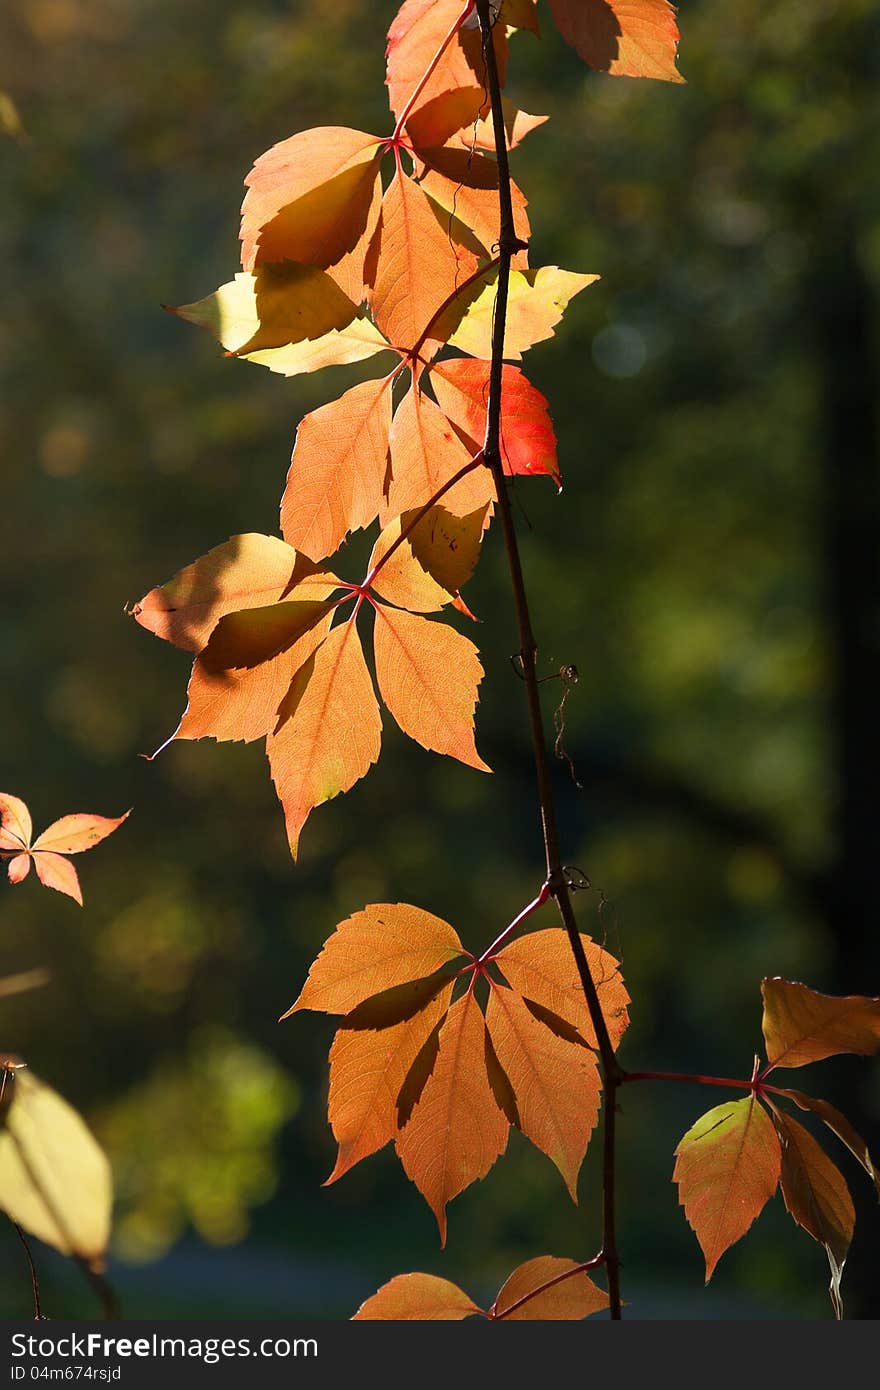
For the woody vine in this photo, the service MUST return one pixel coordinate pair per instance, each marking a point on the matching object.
(441, 1049)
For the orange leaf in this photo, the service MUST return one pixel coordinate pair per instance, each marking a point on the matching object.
(329, 729)
(800, 1025)
(573, 1296)
(246, 571)
(417, 261)
(465, 185)
(437, 120)
(839, 1125)
(517, 124)
(555, 1083)
(337, 472)
(528, 440)
(626, 38)
(457, 1129)
(414, 38)
(727, 1168)
(817, 1197)
(243, 704)
(16, 826)
(368, 1067)
(540, 966)
(538, 299)
(385, 945)
(417, 1298)
(74, 834)
(309, 197)
(54, 871)
(438, 556)
(256, 635)
(428, 676)
(425, 454)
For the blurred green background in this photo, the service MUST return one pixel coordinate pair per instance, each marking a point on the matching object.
(710, 568)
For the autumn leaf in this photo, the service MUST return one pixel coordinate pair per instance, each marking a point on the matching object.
(309, 198)
(428, 676)
(429, 567)
(839, 1125)
(465, 185)
(457, 1129)
(425, 454)
(329, 729)
(417, 35)
(247, 571)
(727, 1168)
(540, 966)
(70, 835)
(55, 1180)
(528, 440)
(435, 122)
(338, 348)
(517, 125)
(801, 1026)
(418, 261)
(548, 1289)
(368, 1067)
(555, 1082)
(626, 38)
(419, 1298)
(537, 301)
(384, 945)
(337, 472)
(817, 1197)
(279, 306)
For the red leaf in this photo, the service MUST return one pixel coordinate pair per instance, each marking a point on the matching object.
(528, 440)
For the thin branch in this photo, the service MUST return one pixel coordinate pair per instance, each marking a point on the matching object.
(101, 1287)
(509, 243)
(35, 1283)
(687, 1076)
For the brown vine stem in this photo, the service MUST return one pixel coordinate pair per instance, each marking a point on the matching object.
(35, 1283)
(508, 244)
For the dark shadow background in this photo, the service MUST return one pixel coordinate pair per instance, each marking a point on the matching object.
(711, 568)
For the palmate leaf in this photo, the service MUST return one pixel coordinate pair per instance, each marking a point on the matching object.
(443, 1081)
(548, 1289)
(71, 834)
(626, 38)
(727, 1168)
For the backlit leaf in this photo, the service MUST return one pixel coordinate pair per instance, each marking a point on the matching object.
(256, 635)
(354, 343)
(414, 38)
(367, 1070)
(727, 1168)
(457, 1130)
(538, 299)
(246, 571)
(540, 966)
(425, 454)
(329, 730)
(280, 305)
(839, 1125)
(429, 567)
(417, 1298)
(428, 676)
(70, 835)
(435, 122)
(384, 945)
(54, 1179)
(517, 124)
(800, 1025)
(816, 1195)
(16, 826)
(309, 197)
(555, 1083)
(627, 38)
(337, 472)
(465, 184)
(573, 1296)
(74, 834)
(528, 440)
(54, 871)
(418, 262)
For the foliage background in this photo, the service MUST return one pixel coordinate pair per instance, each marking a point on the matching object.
(710, 568)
